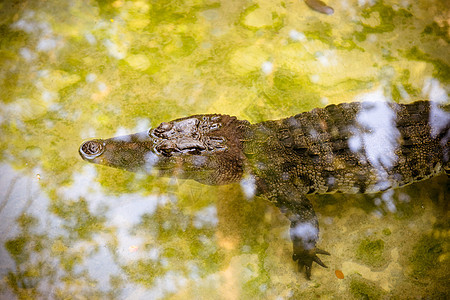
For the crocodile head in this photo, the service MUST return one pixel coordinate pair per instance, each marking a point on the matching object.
(206, 148)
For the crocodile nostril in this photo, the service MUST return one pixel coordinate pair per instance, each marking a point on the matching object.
(91, 149)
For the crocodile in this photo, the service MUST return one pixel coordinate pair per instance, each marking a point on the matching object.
(358, 147)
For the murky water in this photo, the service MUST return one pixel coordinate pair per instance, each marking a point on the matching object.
(75, 70)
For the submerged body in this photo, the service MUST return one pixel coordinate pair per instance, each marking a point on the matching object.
(349, 148)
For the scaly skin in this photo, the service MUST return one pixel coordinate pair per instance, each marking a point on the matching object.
(349, 148)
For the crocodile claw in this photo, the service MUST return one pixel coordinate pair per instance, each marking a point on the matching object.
(305, 259)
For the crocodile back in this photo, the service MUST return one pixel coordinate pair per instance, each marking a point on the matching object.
(351, 147)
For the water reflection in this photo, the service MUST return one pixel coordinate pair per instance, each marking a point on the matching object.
(84, 237)
(377, 136)
(72, 71)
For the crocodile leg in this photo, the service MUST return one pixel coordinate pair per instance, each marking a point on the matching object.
(304, 231)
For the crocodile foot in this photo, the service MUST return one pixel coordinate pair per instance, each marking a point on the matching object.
(305, 259)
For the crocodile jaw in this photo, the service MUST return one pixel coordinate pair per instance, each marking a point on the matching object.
(202, 147)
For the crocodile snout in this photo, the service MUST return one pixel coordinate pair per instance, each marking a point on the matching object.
(91, 149)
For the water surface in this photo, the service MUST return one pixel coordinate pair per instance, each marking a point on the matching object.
(75, 70)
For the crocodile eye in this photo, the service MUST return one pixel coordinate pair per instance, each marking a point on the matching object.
(164, 126)
(91, 149)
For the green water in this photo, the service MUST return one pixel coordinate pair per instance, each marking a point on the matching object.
(74, 70)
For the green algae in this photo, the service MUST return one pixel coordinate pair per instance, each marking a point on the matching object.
(20, 247)
(388, 19)
(386, 232)
(16, 246)
(405, 210)
(425, 255)
(24, 281)
(21, 289)
(144, 271)
(106, 8)
(80, 222)
(116, 181)
(176, 62)
(256, 18)
(296, 90)
(353, 84)
(441, 68)
(322, 32)
(366, 203)
(437, 30)
(181, 46)
(371, 252)
(12, 75)
(178, 11)
(361, 288)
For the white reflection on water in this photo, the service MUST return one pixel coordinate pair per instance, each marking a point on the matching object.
(439, 119)
(307, 233)
(23, 194)
(99, 262)
(47, 44)
(388, 199)
(267, 67)
(142, 124)
(90, 38)
(27, 54)
(376, 134)
(114, 50)
(15, 199)
(248, 186)
(47, 41)
(327, 58)
(297, 36)
(125, 211)
(206, 217)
